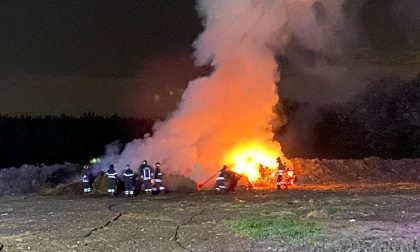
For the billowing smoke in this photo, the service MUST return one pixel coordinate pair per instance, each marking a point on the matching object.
(350, 44)
(361, 41)
(234, 104)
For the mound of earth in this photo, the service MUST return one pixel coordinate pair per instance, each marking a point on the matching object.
(59, 179)
(370, 170)
(33, 178)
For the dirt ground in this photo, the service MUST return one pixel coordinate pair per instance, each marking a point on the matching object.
(351, 217)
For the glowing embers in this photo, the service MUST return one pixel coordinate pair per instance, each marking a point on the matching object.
(253, 160)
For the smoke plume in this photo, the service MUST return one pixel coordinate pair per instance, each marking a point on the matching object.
(234, 105)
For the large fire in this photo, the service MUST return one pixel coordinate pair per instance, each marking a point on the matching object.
(248, 159)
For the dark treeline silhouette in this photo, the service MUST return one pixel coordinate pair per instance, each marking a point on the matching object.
(383, 121)
(55, 139)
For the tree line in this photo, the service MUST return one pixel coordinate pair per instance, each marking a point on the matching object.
(56, 139)
(383, 121)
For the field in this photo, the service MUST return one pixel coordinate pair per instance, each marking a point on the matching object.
(329, 218)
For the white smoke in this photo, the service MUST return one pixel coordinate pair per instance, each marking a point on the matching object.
(234, 104)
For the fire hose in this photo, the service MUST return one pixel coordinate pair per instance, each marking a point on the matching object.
(200, 185)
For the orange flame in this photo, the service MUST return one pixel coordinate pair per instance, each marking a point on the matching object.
(246, 158)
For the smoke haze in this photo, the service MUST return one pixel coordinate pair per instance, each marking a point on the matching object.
(359, 42)
(368, 41)
(234, 104)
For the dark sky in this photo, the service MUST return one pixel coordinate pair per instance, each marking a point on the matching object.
(98, 55)
(134, 57)
(92, 38)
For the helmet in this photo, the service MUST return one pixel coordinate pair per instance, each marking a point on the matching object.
(144, 161)
(111, 166)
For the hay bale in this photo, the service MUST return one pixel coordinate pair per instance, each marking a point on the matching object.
(100, 184)
(179, 183)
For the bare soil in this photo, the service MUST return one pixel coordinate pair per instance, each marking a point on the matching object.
(354, 217)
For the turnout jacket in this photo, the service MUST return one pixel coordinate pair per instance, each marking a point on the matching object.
(128, 175)
(146, 172)
(111, 173)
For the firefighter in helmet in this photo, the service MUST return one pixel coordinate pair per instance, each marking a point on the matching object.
(220, 180)
(146, 173)
(280, 172)
(86, 178)
(158, 175)
(139, 179)
(128, 181)
(112, 180)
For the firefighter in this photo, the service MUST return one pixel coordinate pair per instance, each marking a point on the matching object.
(231, 180)
(140, 171)
(146, 173)
(86, 177)
(289, 179)
(220, 180)
(112, 180)
(280, 172)
(128, 181)
(158, 178)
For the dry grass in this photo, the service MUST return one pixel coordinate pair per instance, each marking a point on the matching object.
(318, 214)
(63, 189)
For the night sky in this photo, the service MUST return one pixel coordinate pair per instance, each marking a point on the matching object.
(134, 57)
(101, 56)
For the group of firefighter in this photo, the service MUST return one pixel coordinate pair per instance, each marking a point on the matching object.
(227, 180)
(148, 178)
